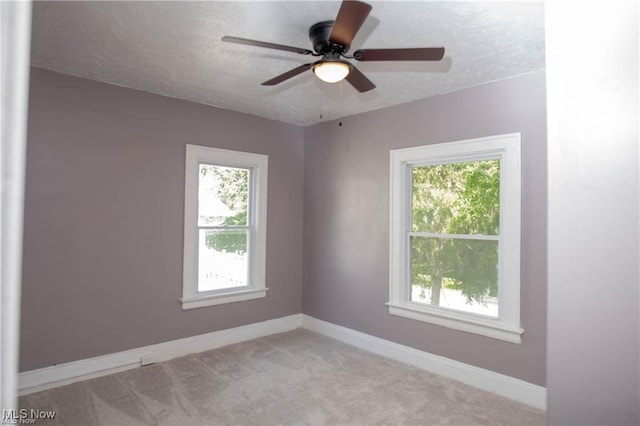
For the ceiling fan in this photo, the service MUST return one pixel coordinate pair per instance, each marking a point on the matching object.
(331, 41)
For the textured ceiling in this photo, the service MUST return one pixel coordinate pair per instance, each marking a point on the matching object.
(174, 49)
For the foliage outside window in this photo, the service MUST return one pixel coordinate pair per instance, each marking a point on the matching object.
(225, 224)
(223, 227)
(455, 235)
(455, 212)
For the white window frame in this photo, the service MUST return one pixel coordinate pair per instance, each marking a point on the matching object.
(257, 218)
(506, 148)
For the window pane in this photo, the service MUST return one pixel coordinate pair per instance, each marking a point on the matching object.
(222, 259)
(457, 198)
(223, 195)
(455, 274)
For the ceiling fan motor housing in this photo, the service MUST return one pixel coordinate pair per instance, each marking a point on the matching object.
(319, 35)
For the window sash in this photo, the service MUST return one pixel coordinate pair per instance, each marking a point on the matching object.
(225, 227)
(477, 157)
(248, 270)
(250, 191)
(409, 283)
(454, 236)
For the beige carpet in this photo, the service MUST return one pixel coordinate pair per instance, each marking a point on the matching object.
(292, 378)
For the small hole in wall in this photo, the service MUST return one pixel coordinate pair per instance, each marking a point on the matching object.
(340, 124)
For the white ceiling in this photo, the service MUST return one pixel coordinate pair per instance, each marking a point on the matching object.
(174, 49)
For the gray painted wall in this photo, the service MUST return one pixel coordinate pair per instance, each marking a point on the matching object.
(593, 357)
(346, 228)
(104, 218)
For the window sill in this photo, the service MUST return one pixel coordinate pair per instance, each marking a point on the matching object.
(221, 298)
(469, 323)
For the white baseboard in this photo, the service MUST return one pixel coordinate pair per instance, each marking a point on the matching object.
(500, 384)
(63, 374)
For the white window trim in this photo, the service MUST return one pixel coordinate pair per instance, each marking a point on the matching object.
(507, 149)
(258, 164)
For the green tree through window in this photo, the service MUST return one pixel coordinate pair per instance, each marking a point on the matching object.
(231, 188)
(455, 224)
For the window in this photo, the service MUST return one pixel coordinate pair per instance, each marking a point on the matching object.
(224, 226)
(455, 235)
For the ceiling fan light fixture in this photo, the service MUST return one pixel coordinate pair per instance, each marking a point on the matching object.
(332, 71)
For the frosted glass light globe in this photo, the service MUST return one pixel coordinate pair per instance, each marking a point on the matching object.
(332, 71)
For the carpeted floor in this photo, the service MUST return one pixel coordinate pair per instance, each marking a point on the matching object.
(292, 378)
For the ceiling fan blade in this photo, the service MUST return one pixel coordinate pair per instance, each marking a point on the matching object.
(351, 16)
(257, 43)
(287, 75)
(417, 54)
(359, 80)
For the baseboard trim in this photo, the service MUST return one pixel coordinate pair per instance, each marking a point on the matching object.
(63, 374)
(509, 387)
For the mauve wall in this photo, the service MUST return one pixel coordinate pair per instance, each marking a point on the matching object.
(346, 228)
(104, 218)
